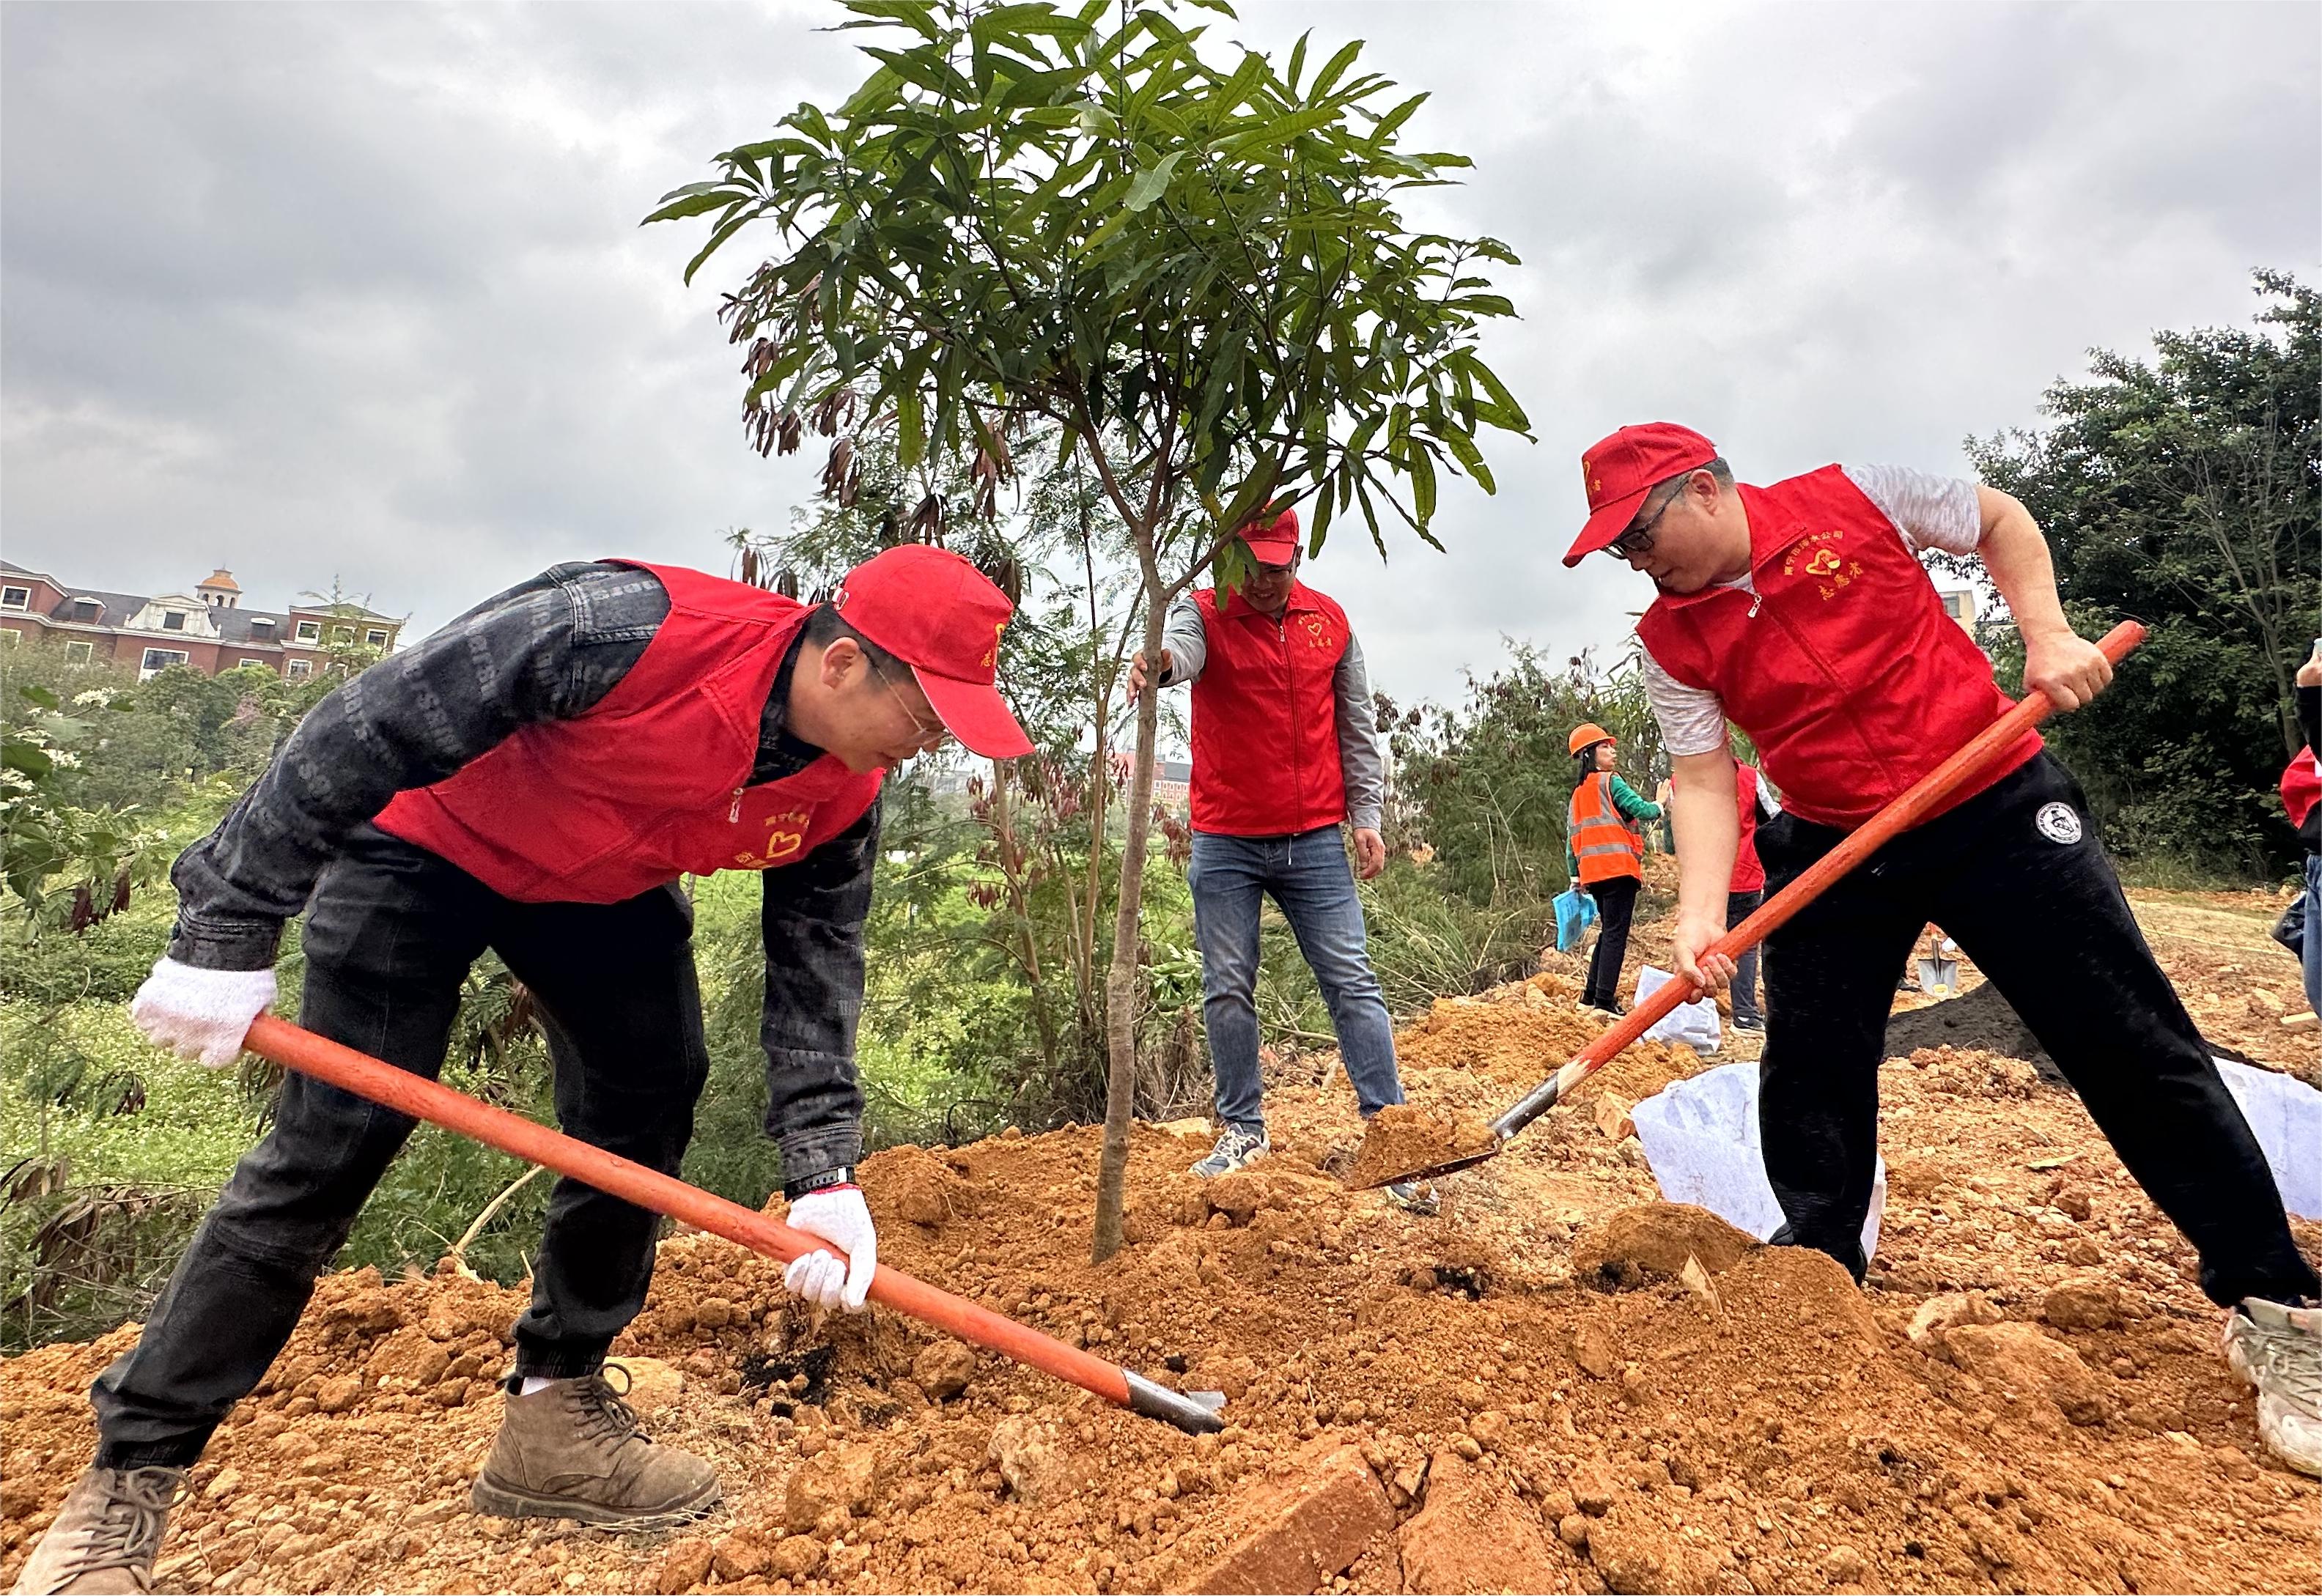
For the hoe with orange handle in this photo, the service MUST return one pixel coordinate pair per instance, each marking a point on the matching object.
(301, 1050)
(1898, 816)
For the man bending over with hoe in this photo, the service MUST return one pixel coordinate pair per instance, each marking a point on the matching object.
(1801, 612)
(533, 779)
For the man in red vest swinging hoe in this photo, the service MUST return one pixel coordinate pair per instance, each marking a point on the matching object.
(533, 779)
(1800, 612)
(1287, 747)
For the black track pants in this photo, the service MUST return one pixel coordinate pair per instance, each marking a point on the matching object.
(2016, 875)
(1616, 902)
(391, 933)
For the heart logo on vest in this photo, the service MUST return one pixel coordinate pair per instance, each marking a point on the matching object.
(1318, 631)
(785, 836)
(2059, 823)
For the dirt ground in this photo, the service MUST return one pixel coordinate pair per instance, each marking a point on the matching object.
(1550, 1386)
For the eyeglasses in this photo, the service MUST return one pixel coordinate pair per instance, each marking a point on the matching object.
(1639, 539)
(926, 737)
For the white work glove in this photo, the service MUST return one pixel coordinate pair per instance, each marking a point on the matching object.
(201, 1014)
(839, 1215)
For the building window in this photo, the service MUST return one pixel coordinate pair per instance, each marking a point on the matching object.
(15, 598)
(309, 630)
(78, 653)
(299, 668)
(9, 637)
(261, 628)
(343, 636)
(161, 659)
(335, 668)
(376, 637)
(86, 610)
(173, 620)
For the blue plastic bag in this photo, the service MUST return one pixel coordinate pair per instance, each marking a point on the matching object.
(1576, 911)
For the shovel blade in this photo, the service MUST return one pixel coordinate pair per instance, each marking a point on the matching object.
(1434, 1170)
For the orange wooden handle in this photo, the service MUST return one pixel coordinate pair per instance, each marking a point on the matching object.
(1874, 834)
(301, 1050)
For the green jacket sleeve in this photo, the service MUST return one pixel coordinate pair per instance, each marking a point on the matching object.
(1631, 806)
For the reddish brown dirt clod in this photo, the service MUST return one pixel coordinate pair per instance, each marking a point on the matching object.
(1475, 1535)
(1404, 1140)
(1294, 1536)
(1652, 1242)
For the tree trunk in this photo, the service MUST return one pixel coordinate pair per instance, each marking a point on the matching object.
(1120, 980)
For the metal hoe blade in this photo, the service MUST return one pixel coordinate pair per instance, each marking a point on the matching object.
(1193, 1412)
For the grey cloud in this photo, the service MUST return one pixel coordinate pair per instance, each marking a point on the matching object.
(360, 291)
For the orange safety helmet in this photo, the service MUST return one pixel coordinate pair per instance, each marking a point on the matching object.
(1585, 734)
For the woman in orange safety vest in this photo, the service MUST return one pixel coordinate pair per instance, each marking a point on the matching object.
(1605, 853)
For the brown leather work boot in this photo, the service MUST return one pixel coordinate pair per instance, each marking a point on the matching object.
(573, 1450)
(106, 1535)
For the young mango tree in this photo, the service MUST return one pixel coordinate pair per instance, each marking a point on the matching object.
(1193, 270)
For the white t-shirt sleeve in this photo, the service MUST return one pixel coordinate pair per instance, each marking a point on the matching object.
(1692, 720)
(1933, 512)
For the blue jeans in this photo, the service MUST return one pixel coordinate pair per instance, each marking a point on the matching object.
(2312, 956)
(1312, 883)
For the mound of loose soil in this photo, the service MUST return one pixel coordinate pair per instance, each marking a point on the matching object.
(1427, 1403)
(1403, 1140)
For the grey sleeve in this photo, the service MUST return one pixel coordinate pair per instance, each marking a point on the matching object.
(545, 650)
(812, 921)
(1932, 512)
(1362, 750)
(1187, 643)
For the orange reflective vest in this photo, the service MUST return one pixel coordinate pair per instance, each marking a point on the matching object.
(1601, 841)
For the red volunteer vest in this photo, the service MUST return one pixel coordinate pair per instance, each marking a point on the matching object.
(1265, 716)
(1842, 667)
(653, 783)
(2301, 786)
(1748, 872)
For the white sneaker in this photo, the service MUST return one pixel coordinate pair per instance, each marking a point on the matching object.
(2278, 1349)
(1237, 1147)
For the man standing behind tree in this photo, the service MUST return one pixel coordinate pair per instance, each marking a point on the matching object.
(1286, 746)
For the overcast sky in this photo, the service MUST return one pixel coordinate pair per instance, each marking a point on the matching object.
(356, 292)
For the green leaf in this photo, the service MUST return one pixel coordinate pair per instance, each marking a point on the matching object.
(1421, 465)
(694, 206)
(27, 757)
(1152, 182)
(1336, 63)
(725, 229)
(39, 696)
(911, 429)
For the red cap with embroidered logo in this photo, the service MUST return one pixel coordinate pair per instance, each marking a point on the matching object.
(1618, 471)
(1272, 540)
(932, 610)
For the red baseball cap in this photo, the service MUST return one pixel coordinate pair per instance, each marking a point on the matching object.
(1618, 471)
(932, 610)
(1273, 542)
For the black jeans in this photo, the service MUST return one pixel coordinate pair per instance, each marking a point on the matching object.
(1739, 907)
(391, 933)
(2017, 876)
(1616, 901)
